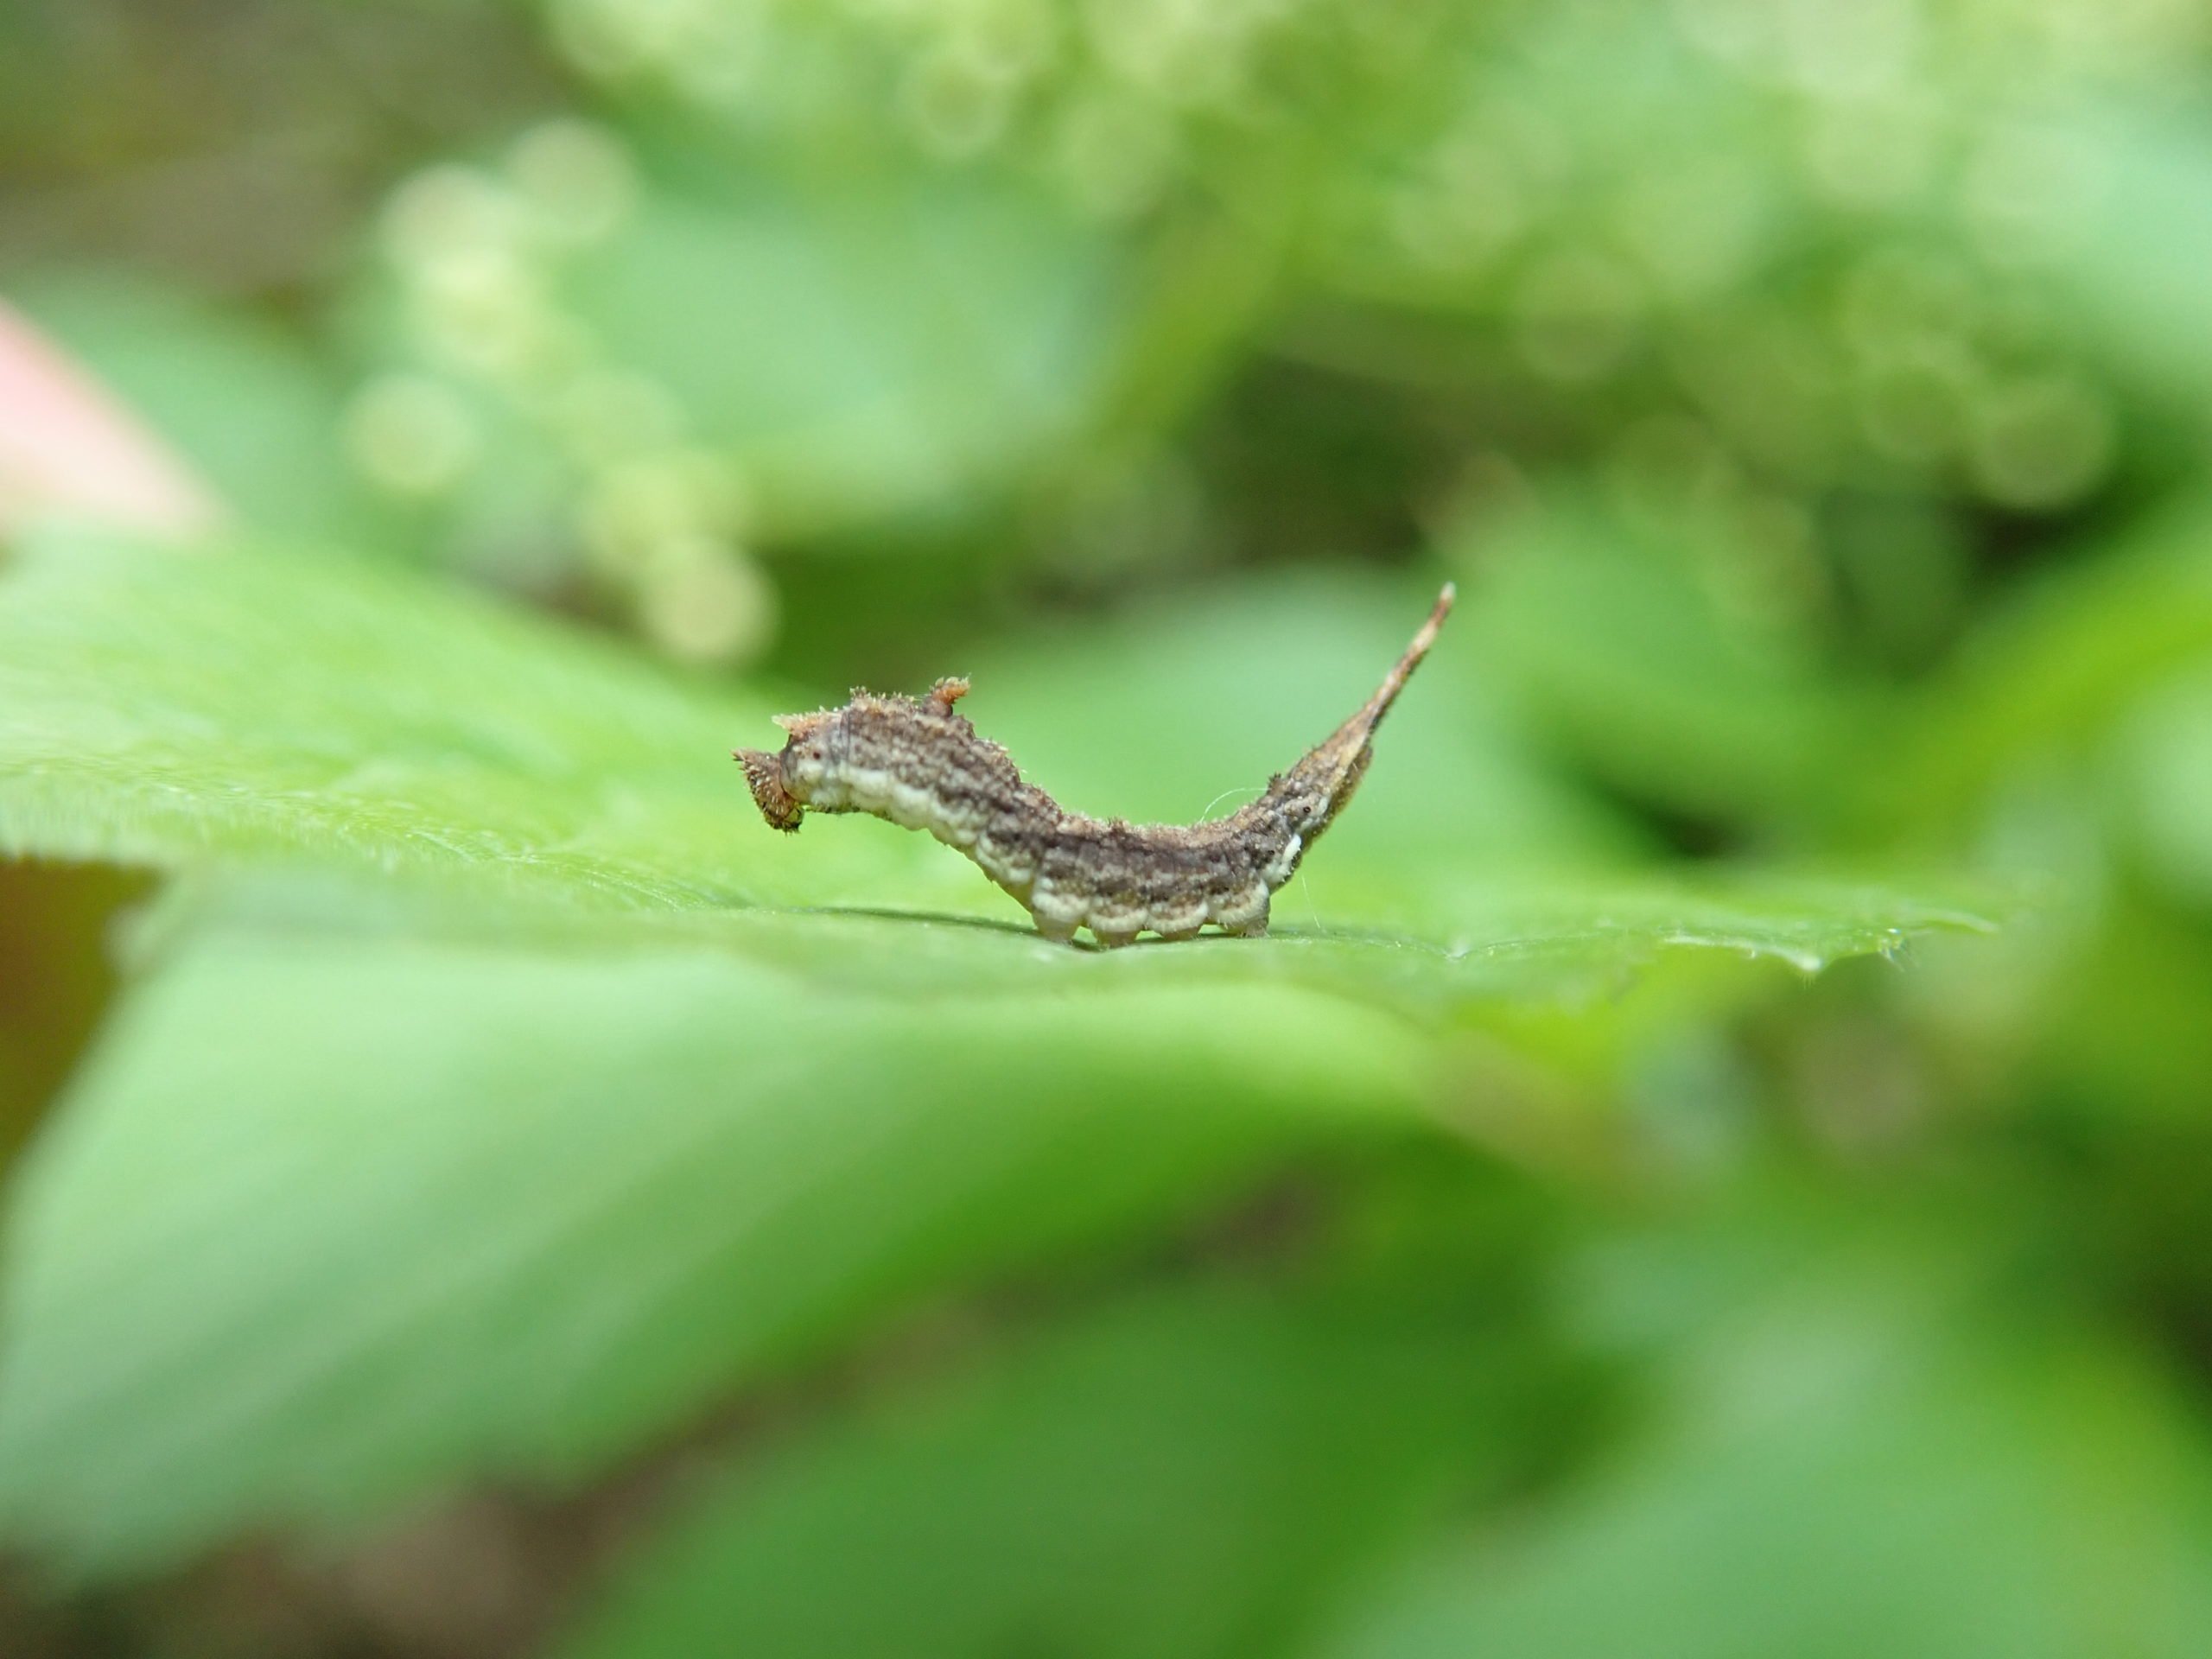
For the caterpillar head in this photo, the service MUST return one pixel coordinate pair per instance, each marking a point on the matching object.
(782, 782)
(765, 772)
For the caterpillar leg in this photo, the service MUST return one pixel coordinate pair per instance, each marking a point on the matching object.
(1254, 927)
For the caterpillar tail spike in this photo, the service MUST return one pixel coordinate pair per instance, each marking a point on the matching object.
(920, 763)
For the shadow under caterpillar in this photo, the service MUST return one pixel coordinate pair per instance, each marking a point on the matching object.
(920, 764)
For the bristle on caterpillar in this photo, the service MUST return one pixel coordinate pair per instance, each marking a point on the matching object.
(920, 763)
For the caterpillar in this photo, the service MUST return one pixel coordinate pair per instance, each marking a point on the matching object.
(920, 763)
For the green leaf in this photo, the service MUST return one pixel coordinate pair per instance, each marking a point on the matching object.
(2167, 749)
(161, 710)
(2049, 676)
(1859, 1460)
(1616, 637)
(254, 706)
(1190, 1475)
(339, 1214)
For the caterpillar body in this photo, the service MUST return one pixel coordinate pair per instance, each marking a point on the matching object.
(919, 763)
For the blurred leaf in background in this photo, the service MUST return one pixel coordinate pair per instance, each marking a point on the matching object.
(1200, 1473)
(1982, 1488)
(1714, 1157)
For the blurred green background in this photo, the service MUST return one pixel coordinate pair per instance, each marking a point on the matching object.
(1716, 1158)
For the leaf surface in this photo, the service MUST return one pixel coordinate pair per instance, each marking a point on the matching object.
(337, 1216)
(1854, 1459)
(1197, 1474)
(258, 707)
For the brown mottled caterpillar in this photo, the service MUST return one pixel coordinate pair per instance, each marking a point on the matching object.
(920, 764)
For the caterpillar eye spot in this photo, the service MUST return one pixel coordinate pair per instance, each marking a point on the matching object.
(914, 763)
